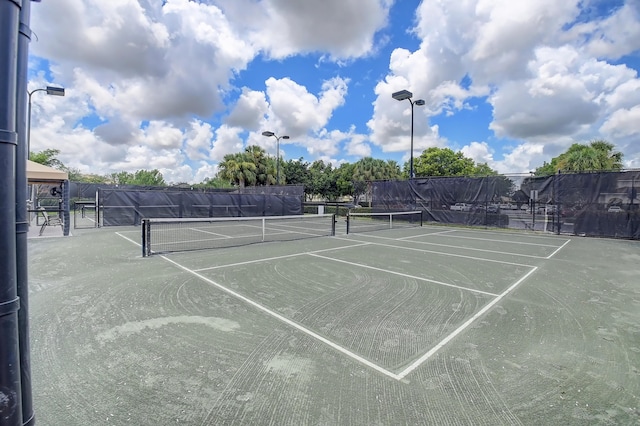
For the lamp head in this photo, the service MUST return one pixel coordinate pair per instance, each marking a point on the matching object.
(419, 102)
(284, 137)
(55, 91)
(268, 133)
(402, 95)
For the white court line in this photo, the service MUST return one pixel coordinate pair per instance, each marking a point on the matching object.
(482, 239)
(462, 248)
(494, 232)
(404, 275)
(460, 329)
(287, 321)
(424, 235)
(439, 252)
(129, 239)
(209, 232)
(559, 248)
(266, 259)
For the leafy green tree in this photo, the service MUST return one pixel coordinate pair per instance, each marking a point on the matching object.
(296, 172)
(76, 176)
(441, 162)
(323, 180)
(483, 169)
(141, 177)
(598, 155)
(369, 169)
(344, 181)
(148, 178)
(48, 157)
(121, 178)
(213, 183)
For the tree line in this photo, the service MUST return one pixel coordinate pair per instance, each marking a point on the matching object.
(254, 167)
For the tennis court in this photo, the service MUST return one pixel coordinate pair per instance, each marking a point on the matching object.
(413, 325)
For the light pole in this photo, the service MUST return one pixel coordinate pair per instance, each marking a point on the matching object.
(401, 96)
(269, 134)
(55, 91)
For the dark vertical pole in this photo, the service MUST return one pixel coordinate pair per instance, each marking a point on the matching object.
(558, 201)
(22, 215)
(411, 174)
(277, 160)
(10, 389)
(66, 217)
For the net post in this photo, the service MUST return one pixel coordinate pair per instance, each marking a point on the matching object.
(144, 237)
(334, 219)
(348, 222)
(421, 217)
(390, 220)
(264, 226)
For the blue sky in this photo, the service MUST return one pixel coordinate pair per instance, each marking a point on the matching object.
(176, 85)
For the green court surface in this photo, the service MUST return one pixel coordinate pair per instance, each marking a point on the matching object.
(418, 326)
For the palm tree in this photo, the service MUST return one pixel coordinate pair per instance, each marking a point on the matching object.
(264, 167)
(238, 169)
(598, 155)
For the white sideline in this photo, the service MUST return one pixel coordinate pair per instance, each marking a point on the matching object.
(287, 321)
(460, 329)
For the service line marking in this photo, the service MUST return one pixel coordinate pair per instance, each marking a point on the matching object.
(482, 239)
(426, 235)
(441, 253)
(209, 232)
(284, 256)
(462, 248)
(404, 275)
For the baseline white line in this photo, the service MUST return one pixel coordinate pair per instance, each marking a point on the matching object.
(438, 252)
(462, 248)
(460, 329)
(287, 321)
(266, 259)
(404, 275)
(559, 248)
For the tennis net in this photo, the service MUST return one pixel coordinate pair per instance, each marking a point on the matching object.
(173, 235)
(367, 222)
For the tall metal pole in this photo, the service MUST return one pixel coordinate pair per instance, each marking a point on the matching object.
(277, 160)
(269, 134)
(10, 387)
(22, 214)
(29, 122)
(411, 174)
(407, 95)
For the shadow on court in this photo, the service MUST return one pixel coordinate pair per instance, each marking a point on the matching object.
(427, 325)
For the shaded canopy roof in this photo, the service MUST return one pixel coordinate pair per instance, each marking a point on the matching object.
(39, 173)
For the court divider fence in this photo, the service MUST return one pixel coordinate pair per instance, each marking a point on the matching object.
(603, 204)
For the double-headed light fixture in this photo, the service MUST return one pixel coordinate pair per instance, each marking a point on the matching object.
(407, 95)
(269, 134)
(54, 91)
